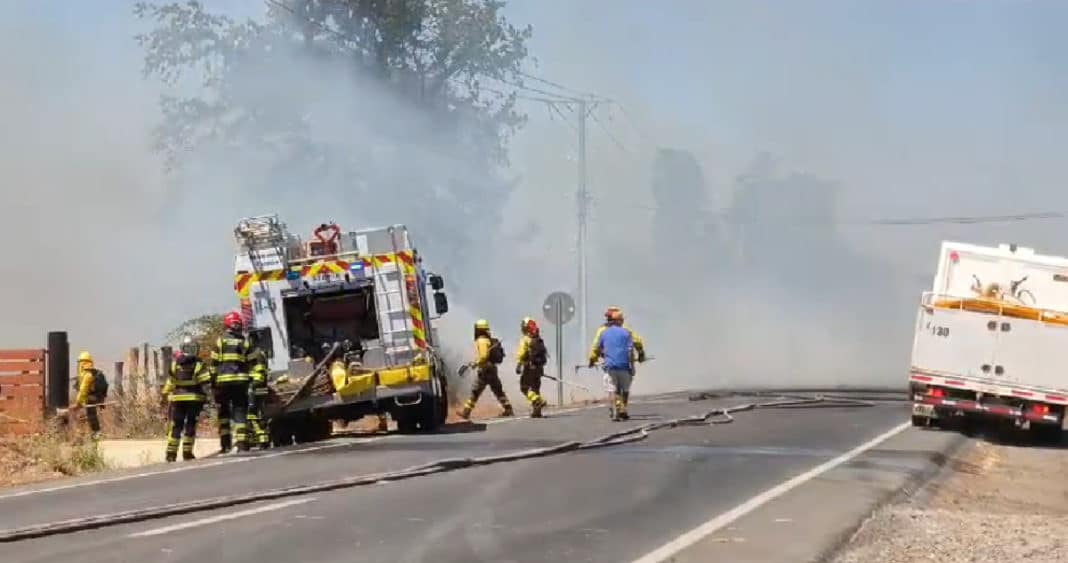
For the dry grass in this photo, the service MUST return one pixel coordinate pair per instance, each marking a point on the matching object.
(57, 452)
(134, 416)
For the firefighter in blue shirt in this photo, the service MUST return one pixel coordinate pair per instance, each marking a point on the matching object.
(615, 345)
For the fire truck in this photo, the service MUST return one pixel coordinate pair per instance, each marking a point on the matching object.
(989, 340)
(344, 319)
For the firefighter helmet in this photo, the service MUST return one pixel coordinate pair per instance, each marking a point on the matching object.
(482, 324)
(232, 320)
(85, 357)
(189, 346)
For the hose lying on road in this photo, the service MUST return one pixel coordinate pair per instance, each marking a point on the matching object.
(628, 435)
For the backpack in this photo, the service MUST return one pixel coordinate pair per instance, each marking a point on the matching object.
(496, 351)
(539, 354)
(100, 385)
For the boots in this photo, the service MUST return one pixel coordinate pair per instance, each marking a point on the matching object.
(507, 411)
(188, 456)
(225, 444)
(172, 456)
(465, 413)
(383, 426)
(535, 410)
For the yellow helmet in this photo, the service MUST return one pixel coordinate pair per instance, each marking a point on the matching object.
(85, 357)
(482, 324)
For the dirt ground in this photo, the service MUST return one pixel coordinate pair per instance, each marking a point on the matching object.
(992, 503)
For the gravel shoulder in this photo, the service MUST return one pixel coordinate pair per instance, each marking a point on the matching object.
(993, 502)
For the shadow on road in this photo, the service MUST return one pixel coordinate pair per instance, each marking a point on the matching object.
(463, 427)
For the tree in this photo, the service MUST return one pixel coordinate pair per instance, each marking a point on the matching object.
(205, 330)
(417, 98)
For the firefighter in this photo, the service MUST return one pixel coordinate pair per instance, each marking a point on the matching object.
(488, 355)
(530, 365)
(257, 363)
(615, 344)
(639, 344)
(230, 381)
(187, 390)
(88, 392)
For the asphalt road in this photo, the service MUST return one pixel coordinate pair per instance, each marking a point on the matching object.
(611, 504)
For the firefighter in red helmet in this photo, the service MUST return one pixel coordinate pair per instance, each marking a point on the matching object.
(230, 382)
(531, 358)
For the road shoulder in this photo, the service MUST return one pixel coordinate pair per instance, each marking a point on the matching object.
(994, 502)
(811, 521)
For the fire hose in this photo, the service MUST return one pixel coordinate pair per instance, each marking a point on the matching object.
(625, 436)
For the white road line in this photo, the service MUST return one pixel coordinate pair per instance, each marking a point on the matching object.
(190, 467)
(697, 534)
(219, 518)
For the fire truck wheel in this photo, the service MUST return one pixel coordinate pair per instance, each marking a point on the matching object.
(281, 433)
(312, 429)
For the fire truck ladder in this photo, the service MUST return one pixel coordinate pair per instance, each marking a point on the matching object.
(389, 309)
(262, 233)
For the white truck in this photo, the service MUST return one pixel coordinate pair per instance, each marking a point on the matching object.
(346, 324)
(991, 340)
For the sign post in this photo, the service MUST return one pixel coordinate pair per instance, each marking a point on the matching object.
(559, 309)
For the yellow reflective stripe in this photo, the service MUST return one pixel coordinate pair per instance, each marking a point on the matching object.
(186, 397)
(231, 377)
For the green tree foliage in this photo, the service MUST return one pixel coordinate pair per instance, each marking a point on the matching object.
(424, 140)
(433, 53)
(205, 329)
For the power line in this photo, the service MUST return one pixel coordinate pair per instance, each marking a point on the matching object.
(559, 86)
(888, 222)
(609, 133)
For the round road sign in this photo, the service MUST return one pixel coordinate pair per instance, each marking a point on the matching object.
(559, 307)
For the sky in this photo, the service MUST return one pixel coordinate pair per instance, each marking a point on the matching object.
(913, 108)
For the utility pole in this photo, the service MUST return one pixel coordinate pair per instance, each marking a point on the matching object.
(582, 198)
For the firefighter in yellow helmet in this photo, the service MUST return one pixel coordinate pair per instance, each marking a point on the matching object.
(187, 390)
(530, 365)
(91, 387)
(488, 355)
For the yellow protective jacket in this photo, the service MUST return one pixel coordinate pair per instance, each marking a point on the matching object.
(522, 354)
(186, 382)
(639, 345)
(482, 350)
(85, 385)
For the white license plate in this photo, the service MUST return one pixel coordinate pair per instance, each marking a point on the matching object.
(923, 410)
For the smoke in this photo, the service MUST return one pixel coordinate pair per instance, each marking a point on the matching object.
(736, 268)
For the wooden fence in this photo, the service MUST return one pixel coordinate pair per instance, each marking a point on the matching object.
(22, 391)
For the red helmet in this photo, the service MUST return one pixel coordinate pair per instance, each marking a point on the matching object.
(532, 328)
(232, 320)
